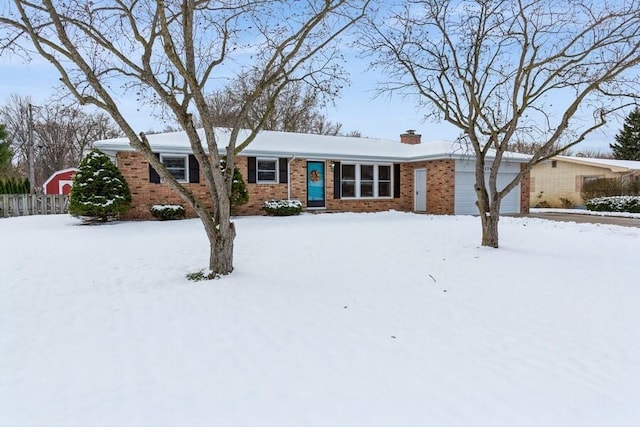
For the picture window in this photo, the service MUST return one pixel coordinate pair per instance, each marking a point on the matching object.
(365, 181)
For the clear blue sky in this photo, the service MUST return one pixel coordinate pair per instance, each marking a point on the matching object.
(356, 109)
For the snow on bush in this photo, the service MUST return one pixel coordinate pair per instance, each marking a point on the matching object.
(285, 207)
(99, 192)
(614, 204)
(167, 212)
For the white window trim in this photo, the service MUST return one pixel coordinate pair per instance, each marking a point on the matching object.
(375, 180)
(276, 180)
(186, 164)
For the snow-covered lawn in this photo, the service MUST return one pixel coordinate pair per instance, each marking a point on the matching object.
(335, 319)
(585, 212)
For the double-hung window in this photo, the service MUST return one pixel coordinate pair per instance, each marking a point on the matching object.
(365, 180)
(267, 171)
(384, 181)
(348, 180)
(177, 165)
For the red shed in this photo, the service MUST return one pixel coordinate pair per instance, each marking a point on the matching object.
(60, 182)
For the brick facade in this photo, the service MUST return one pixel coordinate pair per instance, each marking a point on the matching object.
(525, 193)
(145, 194)
(441, 178)
(440, 189)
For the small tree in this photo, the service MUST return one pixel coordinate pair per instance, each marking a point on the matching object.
(99, 192)
(627, 146)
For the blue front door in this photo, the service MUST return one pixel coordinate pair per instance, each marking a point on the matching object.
(315, 185)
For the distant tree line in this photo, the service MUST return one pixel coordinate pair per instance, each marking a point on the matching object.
(14, 186)
(297, 108)
(61, 134)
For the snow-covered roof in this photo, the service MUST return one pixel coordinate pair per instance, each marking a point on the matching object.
(612, 164)
(288, 144)
(57, 173)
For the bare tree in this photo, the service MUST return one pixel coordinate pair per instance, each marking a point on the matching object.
(505, 70)
(62, 133)
(296, 108)
(594, 153)
(5, 152)
(528, 147)
(174, 51)
(15, 115)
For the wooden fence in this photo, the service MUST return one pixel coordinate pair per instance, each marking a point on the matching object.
(32, 204)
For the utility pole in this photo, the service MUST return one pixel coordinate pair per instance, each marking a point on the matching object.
(32, 172)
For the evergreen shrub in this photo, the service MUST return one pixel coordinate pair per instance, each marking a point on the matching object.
(167, 212)
(614, 204)
(99, 192)
(239, 194)
(14, 186)
(284, 207)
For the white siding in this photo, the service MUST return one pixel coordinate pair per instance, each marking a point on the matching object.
(465, 197)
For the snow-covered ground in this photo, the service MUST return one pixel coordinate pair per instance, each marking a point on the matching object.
(335, 319)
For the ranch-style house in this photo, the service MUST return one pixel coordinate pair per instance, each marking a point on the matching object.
(326, 173)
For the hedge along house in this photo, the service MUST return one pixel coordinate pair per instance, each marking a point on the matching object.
(326, 173)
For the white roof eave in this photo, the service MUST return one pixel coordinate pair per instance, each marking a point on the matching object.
(398, 154)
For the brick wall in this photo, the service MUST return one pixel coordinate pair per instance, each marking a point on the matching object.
(441, 178)
(145, 194)
(440, 189)
(564, 181)
(440, 186)
(525, 192)
(258, 193)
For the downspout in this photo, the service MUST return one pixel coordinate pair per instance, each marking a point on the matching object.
(293, 157)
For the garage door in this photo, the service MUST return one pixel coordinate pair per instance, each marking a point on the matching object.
(465, 196)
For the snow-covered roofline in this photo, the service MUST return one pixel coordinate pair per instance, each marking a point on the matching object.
(310, 146)
(611, 164)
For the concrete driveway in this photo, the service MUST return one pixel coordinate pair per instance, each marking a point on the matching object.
(590, 219)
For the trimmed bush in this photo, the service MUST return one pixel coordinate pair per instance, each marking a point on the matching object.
(614, 204)
(607, 187)
(282, 207)
(99, 192)
(167, 212)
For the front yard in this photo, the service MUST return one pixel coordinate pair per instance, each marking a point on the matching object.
(334, 319)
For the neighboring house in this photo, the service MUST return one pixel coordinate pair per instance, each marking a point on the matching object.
(332, 173)
(60, 182)
(562, 177)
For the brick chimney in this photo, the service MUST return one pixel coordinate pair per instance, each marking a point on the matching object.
(410, 137)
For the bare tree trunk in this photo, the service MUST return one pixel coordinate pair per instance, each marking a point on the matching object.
(221, 232)
(221, 257)
(490, 228)
(489, 208)
(221, 240)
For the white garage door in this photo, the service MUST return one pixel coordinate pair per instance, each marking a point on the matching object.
(465, 197)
